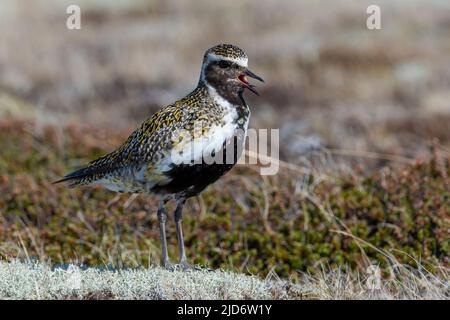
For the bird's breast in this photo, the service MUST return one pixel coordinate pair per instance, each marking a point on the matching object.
(211, 139)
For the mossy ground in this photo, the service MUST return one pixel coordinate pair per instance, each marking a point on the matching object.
(285, 223)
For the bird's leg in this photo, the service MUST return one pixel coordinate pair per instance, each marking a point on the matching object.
(178, 221)
(162, 218)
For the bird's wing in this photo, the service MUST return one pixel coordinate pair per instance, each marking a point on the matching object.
(153, 136)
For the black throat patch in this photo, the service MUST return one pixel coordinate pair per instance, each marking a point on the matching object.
(222, 81)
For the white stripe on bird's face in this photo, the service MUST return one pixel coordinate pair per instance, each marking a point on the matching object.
(243, 62)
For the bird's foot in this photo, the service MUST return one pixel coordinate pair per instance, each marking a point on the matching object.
(169, 266)
(183, 265)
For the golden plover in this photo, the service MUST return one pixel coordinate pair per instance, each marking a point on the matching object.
(166, 155)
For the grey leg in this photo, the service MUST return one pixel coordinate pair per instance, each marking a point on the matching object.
(162, 218)
(178, 222)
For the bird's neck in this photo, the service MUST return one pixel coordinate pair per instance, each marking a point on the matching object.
(222, 93)
(211, 98)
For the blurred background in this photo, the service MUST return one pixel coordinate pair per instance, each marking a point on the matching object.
(330, 82)
(375, 102)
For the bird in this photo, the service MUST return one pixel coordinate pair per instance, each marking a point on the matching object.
(169, 155)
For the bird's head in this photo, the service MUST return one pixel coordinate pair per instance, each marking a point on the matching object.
(225, 70)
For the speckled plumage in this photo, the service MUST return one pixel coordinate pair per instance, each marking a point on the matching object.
(167, 155)
(147, 144)
(138, 165)
(227, 51)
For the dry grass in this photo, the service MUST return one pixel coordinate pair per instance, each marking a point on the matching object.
(404, 283)
(34, 280)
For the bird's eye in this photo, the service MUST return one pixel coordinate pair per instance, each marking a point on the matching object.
(224, 64)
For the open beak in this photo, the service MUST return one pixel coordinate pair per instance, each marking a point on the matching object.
(244, 80)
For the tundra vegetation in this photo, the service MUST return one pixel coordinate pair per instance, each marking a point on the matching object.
(365, 149)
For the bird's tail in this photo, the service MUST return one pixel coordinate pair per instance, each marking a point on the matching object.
(92, 172)
(76, 178)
